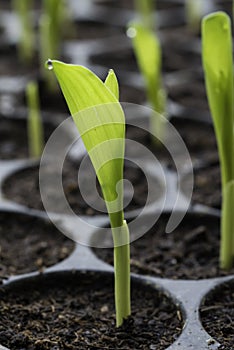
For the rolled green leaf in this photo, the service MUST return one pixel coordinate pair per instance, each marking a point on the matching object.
(145, 9)
(194, 11)
(148, 53)
(51, 27)
(218, 68)
(227, 225)
(100, 121)
(26, 47)
(35, 125)
(112, 83)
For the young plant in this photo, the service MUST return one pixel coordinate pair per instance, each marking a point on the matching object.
(100, 121)
(218, 68)
(26, 47)
(149, 56)
(51, 27)
(51, 24)
(194, 11)
(145, 10)
(35, 126)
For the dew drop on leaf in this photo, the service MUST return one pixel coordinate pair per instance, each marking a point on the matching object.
(131, 32)
(49, 65)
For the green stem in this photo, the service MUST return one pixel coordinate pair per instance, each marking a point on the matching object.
(46, 51)
(194, 13)
(51, 24)
(216, 38)
(232, 9)
(26, 43)
(157, 123)
(226, 151)
(145, 8)
(227, 226)
(122, 272)
(35, 127)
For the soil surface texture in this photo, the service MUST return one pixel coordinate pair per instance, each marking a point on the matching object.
(207, 186)
(199, 141)
(23, 188)
(14, 140)
(77, 312)
(217, 314)
(29, 244)
(191, 251)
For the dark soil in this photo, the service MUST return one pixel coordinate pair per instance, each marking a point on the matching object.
(190, 94)
(217, 314)
(29, 244)
(76, 311)
(23, 187)
(52, 100)
(13, 138)
(131, 94)
(224, 5)
(91, 30)
(119, 60)
(124, 60)
(207, 186)
(10, 65)
(190, 252)
(198, 137)
(129, 4)
(174, 59)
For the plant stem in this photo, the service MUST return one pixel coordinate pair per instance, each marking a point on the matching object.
(51, 24)
(157, 122)
(26, 43)
(227, 239)
(217, 37)
(122, 272)
(35, 127)
(145, 9)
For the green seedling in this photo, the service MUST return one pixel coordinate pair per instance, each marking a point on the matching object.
(148, 53)
(26, 47)
(50, 32)
(100, 121)
(145, 10)
(194, 11)
(35, 126)
(232, 9)
(52, 21)
(218, 68)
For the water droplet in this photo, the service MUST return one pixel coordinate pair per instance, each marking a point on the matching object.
(131, 32)
(49, 64)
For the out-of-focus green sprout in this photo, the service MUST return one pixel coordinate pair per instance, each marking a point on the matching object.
(148, 53)
(194, 10)
(145, 10)
(218, 68)
(35, 125)
(100, 121)
(51, 26)
(26, 46)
